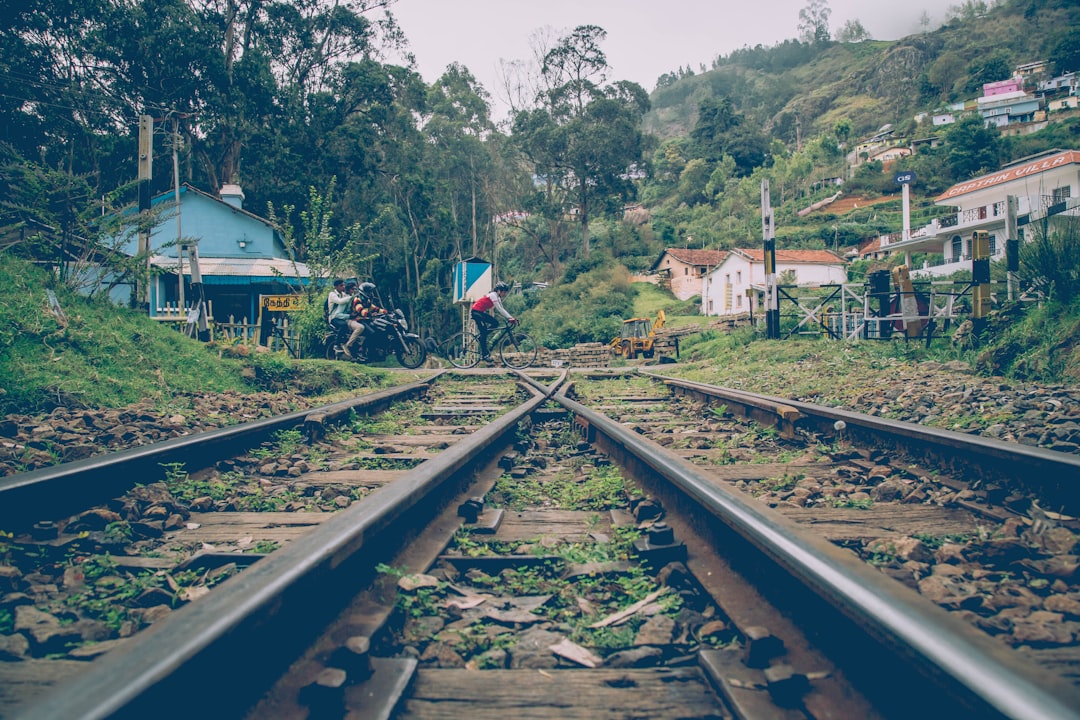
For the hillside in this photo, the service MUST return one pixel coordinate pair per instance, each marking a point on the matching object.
(794, 88)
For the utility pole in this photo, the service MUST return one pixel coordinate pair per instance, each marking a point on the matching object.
(980, 276)
(772, 299)
(1012, 245)
(176, 194)
(146, 172)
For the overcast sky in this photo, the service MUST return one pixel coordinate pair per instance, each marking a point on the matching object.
(645, 38)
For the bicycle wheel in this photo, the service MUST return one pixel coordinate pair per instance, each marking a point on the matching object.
(462, 350)
(517, 350)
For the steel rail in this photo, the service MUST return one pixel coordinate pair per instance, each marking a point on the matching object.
(1055, 475)
(61, 490)
(975, 675)
(230, 646)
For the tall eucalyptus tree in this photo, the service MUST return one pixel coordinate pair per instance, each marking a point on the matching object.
(583, 137)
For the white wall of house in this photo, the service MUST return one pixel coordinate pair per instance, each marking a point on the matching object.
(724, 290)
(984, 208)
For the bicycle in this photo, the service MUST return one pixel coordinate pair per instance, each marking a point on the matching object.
(516, 349)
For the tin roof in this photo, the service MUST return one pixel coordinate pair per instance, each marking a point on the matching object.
(245, 270)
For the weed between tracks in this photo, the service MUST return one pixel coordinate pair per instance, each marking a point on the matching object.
(473, 615)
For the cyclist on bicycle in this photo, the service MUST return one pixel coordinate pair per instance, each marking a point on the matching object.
(485, 321)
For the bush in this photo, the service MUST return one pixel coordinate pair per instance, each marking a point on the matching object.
(1050, 261)
(589, 309)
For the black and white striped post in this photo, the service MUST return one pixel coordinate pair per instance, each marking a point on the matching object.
(772, 299)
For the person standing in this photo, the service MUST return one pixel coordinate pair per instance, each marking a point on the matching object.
(485, 321)
(339, 308)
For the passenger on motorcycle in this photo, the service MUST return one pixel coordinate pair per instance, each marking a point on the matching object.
(364, 308)
(485, 321)
(339, 306)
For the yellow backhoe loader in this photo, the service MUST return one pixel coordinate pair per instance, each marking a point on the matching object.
(638, 337)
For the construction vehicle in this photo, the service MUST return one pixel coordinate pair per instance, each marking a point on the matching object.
(638, 337)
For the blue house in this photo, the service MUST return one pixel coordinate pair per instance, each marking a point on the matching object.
(241, 255)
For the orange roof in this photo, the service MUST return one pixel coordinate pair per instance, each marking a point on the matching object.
(825, 257)
(694, 257)
(697, 257)
(1013, 173)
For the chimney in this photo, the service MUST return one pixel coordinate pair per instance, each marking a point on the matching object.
(233, 195)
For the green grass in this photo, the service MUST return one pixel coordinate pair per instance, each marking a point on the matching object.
(650, 299)
(102, 355)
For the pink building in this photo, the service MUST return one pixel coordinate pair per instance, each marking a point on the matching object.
(1002, 87)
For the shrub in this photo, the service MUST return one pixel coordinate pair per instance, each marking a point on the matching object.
(1051, 259)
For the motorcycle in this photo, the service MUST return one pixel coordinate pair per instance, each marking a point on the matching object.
(387, 334)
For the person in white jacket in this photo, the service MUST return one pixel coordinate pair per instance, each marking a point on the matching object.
(339, 307)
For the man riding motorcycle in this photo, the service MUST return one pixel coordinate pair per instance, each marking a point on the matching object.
(364, 309)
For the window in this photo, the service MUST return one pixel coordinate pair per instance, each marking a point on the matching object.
(727, 278)
(738, 301)
(686, 271)
(993, 245)
(957, 248)
(1061, 194)
(738, 276)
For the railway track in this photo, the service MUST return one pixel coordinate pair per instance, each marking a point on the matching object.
(502, 547)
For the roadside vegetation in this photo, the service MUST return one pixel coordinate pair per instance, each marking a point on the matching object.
(58, 348)
(89, 353)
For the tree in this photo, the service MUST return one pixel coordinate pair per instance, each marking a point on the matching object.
(967, 11)
(720, 131)
(1065, 53)
(993, 67)
(584, 137)
(973, 148)
(460, 119)
(842, 130)
(853, 32)
(814, 22)
(944, 72)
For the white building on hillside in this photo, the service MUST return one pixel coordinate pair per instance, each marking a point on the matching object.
(729, 288)
(1044, 184)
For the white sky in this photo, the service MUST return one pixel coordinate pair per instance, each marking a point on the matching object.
(645, 38)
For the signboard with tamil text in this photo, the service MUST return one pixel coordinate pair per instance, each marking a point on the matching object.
(281, 303)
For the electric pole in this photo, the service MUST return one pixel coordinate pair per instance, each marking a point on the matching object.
(146, 173)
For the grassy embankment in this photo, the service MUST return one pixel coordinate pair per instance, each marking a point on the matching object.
(94, 354)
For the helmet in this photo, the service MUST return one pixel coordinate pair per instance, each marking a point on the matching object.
(350, 286)
(501, 287)
(367, 289)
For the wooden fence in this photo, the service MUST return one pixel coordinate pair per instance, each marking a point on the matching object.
(278, 335)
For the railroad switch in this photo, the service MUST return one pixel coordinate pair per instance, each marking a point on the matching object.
(659, 546)
(761, 646)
